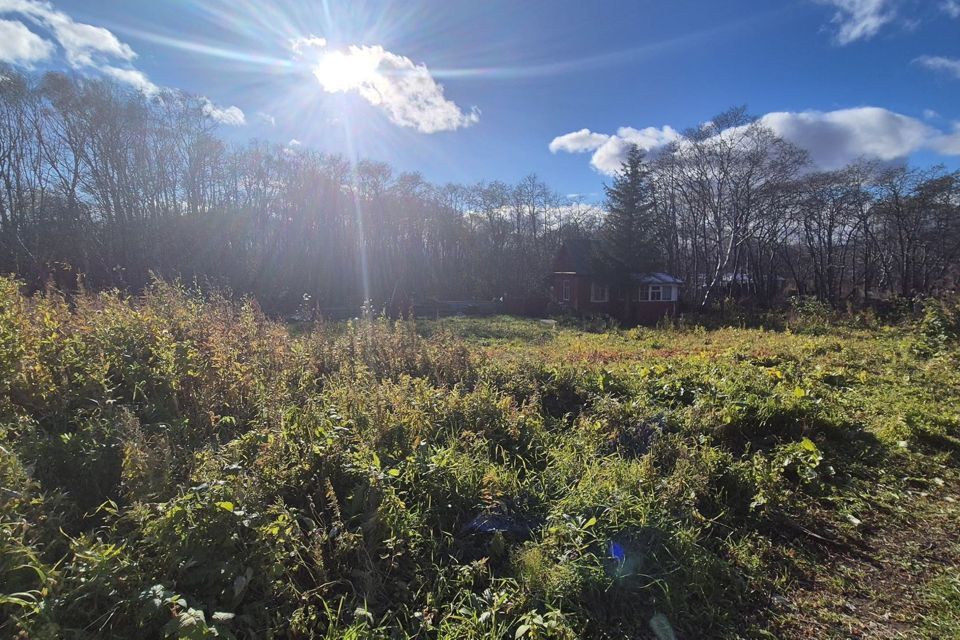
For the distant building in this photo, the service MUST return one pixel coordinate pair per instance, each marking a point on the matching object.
(583, 285)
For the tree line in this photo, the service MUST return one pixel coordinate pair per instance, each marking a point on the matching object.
(105, 186)
(734, 209)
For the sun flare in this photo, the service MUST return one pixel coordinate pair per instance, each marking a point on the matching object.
(339, 72)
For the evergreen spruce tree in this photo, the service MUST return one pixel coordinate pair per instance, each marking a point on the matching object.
(627, 239)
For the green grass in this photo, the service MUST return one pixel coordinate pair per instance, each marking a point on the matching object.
(183, 467)
(943, 598)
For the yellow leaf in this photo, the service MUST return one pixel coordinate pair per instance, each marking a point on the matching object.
(226, 506)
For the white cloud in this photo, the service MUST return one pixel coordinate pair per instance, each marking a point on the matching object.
(611, 150)
(83, 41)
(951, 8)
(940, 63)
(402, 89)
(80, 41)
(19, 45)
(84, 46)
(610, 156)
(132, 77)
(612, 153)
(650, 137)
(833, 138)
(230, 116)
(836, 138)
(949, 143)
(578, 141)
(266, 118)
(860, 19)
(930, 114)
(304, 43)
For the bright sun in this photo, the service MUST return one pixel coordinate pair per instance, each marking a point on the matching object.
(339, 71)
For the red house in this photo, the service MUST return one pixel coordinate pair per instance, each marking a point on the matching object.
(582, 285)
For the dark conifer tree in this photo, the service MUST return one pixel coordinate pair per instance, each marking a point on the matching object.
(628, 233)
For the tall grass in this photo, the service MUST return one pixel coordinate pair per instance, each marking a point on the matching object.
(178, 465)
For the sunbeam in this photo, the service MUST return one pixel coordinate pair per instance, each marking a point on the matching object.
(613, 58)
(191, 45)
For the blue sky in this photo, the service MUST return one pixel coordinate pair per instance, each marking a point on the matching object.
(463, 91)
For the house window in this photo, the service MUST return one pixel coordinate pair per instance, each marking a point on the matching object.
(656, 293)
(599, 292)
(565, 295)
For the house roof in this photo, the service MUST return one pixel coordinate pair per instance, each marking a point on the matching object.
(581, 257)
(575, 256)
(655, 278)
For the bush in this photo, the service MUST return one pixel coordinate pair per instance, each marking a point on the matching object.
(939, 329)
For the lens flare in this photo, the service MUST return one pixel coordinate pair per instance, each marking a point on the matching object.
(617, 552)
(338, 71)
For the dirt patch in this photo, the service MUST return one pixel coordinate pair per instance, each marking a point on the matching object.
(880, 589)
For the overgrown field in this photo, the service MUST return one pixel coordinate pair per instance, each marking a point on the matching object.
(174, 466)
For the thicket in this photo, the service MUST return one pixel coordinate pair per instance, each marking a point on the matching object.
(180, 466)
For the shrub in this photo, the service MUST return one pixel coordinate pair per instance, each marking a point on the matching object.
(939, 329)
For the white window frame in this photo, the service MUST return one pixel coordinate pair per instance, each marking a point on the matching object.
(666, 293)
(599, 288)
(565, 290)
